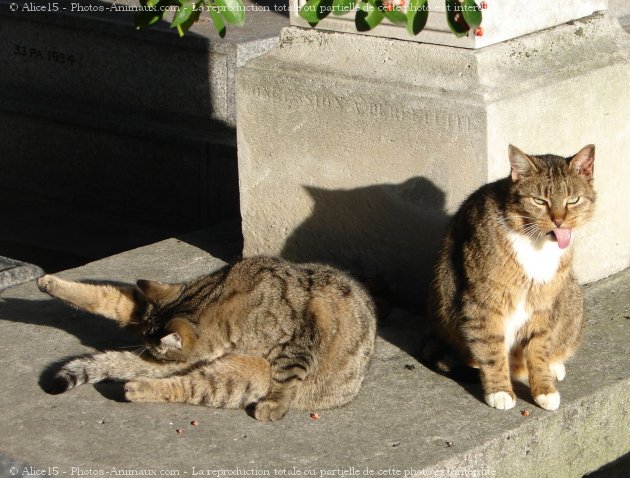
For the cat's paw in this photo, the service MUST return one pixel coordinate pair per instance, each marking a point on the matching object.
(501, 400)
(548, 401)
(270, 410)
(138, 391)
(558, 371)
(47, 283)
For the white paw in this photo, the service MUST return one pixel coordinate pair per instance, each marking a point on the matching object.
(550, 401)
(557, 370)
(500, 400)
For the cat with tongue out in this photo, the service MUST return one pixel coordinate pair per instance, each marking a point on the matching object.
(504, 298)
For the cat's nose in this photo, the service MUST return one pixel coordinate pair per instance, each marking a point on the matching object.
(558, 222)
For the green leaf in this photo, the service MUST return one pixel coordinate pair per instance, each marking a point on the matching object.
(182, 15)
(314, 11)
(472, 13)
(341, 7)
(232, 10)
(417, 14)
(368, 16)
(455, 18)
(217, 20)
(395, 15)
(149, 17)
(183, 28)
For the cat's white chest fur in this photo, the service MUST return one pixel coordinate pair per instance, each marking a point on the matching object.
(540, 260)
(514, 322)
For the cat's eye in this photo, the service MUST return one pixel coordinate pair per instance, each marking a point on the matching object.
(573, 200)
(539, 201)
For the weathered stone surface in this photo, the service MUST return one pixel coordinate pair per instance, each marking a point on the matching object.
(98, 56)
(406, 419)
(14, 272)
(375, 145)
(112, 137)
(502, 21)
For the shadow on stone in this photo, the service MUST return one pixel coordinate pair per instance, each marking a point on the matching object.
(388, 235)
(135, 137)
(94, 332)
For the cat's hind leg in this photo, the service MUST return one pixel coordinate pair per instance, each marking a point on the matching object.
(232, 381)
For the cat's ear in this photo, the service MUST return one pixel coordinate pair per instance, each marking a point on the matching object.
(157, 292)
(172, 340)
(521, 164)
(584, 162)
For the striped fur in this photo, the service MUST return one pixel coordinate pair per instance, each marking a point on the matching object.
(503, 298)
(261, 332)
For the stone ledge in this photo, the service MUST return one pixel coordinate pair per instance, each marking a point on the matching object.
(405, 417)
(14, 272)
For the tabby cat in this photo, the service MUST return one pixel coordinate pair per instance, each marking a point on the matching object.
(262, 332)
(503, 297)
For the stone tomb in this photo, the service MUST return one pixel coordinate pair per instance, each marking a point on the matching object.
(375, 142)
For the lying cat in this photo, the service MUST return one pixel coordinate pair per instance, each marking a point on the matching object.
(504, 297)
(262, 332)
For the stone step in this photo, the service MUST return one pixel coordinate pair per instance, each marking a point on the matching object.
(14, 272)
(407, 421)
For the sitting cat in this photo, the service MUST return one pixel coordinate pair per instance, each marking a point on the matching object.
(503, 295)
(262, 332)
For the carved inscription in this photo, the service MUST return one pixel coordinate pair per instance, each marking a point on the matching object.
(365, 106)
(50, 55)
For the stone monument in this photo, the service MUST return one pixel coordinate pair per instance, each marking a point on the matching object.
(355, 150)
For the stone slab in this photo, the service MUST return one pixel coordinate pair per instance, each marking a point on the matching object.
(403, 420)
(112, 137)
(99, 57)
(14, 272)
(502, 20)
(378, 151)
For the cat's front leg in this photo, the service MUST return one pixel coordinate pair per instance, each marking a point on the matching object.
(288, 371)
(488, 349)
(541, 378)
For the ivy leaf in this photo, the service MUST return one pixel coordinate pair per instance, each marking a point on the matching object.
(314, 11)
(182, 15)
(232, 10)
(394, 15)
(183, 28)
(417, 14)
(147, 18)
(455, 18)
(217, 20)
(368, 16)
(341, 7)
(472, 13)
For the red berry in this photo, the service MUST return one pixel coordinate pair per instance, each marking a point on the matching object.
(479, 32)
(484, 5)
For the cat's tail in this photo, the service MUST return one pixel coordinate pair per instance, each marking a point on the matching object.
(124, 304)
(111, 365)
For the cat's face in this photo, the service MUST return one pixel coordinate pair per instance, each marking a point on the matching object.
(167, 332)
(550, 195)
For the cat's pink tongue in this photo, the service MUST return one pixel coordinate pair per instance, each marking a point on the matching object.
(563, 236)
